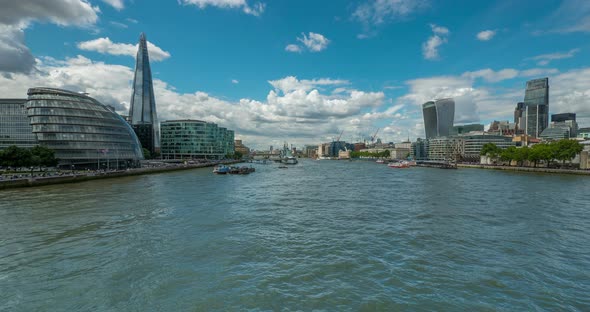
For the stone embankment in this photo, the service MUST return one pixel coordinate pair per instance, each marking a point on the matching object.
(527, 169)
(84, 176)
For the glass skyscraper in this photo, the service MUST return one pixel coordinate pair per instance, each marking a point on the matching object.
(439, 116)
(536, 100)
(142, 111)
(15, 128)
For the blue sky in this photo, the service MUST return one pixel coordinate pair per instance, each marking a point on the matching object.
(302, 71)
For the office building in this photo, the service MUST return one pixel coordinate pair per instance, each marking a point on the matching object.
(536, 101)
(445, 148)
(15, 128)
(502, 128)
(472, 144)
(563, 117)
(520, 118)
(419, 150)
(142, 111)
(439, 116)
(462, 129)
(195, 139)
(584, 133)
(83, 132)
(240, 147)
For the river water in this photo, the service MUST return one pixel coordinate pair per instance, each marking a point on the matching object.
(320, 235)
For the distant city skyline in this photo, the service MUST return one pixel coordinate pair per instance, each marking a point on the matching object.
(275, 72)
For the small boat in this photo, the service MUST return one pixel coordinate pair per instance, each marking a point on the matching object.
(380, 161)
(289, 160)
(398, 165)
(283, 167)
(221, 169)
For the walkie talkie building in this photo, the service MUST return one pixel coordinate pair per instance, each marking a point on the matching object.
(439, 116)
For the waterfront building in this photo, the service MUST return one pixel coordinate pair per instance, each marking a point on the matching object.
(335, 147)
(195, 139)
(240, 147)
(15, 128)
(419, 150)
(463, 129)
(584, 133)
(359, 146)
(563, 117)
(142, 111)
(406, 144)
(83, 132)
(310, 151)
(445, 148)
(502, 128)
(520, 118)
(536, 100)
(439, 116)
(472, 144)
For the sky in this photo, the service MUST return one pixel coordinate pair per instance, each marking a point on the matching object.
(305, 71)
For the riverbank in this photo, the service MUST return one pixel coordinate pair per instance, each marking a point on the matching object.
(527, 169)
(81, 177)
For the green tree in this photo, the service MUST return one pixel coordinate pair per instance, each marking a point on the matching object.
(14, 156)
(238, 155)
(43, 156)
(521, 155)
(566, 150)
(535, 154)
(146, 153)
(508, 154)
(491, 150)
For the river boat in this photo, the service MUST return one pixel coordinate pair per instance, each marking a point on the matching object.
(289, 160)
(398, 165)
(380, 161)
(221, 169)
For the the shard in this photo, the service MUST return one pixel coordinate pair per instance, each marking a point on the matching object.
(142, 113)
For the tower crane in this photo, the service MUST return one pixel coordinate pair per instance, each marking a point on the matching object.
(374, 135)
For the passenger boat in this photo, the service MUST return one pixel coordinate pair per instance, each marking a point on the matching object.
(221, 169)
(398, 165)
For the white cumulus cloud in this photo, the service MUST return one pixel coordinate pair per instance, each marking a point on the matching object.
(431, 46)
(486, 35)
(17, 16)
(545, 59)
(117, 4)
(257, 9)
(313, 42)
(106, 46)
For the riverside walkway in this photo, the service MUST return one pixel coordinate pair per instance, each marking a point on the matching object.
(24, 179)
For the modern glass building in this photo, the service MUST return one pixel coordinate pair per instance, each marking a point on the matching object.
(536, 100)
(142, 111)
(563, 117)
(83, 132)
(439, 116)
(15, 128)
(520, 117)
(462, 129)
(195, 139)
(474, 143)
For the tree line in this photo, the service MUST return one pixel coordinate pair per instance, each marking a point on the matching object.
(38, 156)
(562, 150)
(383, 154)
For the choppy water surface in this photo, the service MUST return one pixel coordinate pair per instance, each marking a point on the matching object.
(321, 235)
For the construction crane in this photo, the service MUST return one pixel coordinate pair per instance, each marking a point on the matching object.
(374, 135)
(338, 140)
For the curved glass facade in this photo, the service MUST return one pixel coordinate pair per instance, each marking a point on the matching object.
(82, 131)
